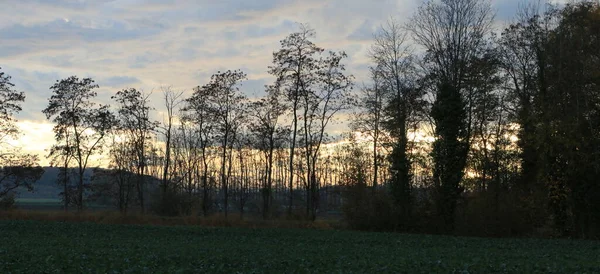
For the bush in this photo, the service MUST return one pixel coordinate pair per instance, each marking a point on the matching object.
(484, 214)
(172, 203)
(365, 209)
(8, 201)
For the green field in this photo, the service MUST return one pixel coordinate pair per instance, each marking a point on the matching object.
(46, 247)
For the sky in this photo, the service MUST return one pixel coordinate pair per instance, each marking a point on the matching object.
(149, 44)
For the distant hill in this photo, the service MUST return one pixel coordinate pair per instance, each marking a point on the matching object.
(47, 187)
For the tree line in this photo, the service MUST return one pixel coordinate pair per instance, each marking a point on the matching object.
(463, 129)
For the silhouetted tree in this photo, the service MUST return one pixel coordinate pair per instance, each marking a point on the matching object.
(17, 170)
(228, 109)
(269, 135)
(172, 101)
(393, 62)
(79, 123)
(369, 117)
(295, 66)
(453, 33)
(570, 113)
(199, 110)
(136, 129)
(328, 96)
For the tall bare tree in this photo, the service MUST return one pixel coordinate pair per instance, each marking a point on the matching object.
(453, 32)
(369, 118)
(80, 120)
(172, 101)
(136, 128)
(227, 105)
(523, 57)
(394, 63)
(121, 173)
(269, 135)
(328, 96)
(198, 109)
(295, 66)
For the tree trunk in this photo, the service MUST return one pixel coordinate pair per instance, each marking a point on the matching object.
(291, 167)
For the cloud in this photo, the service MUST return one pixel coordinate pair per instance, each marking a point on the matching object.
(63, 60)
(67, 30)
(119, 81)
(255, 88)
(147, 44)
(364, 32)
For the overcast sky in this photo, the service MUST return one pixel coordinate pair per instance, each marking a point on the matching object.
(147, 44)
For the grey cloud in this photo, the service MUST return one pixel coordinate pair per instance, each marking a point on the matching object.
(47, 77)
(195, 42)
(58, 61)
(184, 53)
(256, 30)
(226, 52)
(231, 35)
(58, 30)
(187, 53)
(254, 87)
(36, 86)
(8, 51)
(191, 30)
(145, 59)
(231, 9)
(17, 78)
(77, 5)
(364, 32)
(118, 81)
(361, 72)
(222, 52)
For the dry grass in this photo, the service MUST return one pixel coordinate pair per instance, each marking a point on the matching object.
(112, 217)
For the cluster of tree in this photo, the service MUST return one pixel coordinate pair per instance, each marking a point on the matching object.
(211, 147)
(515, 119)
(468, 131)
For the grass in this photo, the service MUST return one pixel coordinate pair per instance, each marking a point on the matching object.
(70, 247)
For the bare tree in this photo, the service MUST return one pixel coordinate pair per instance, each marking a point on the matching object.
(368, 118)
(227, 107)
(394, 64)
(295, 66)
(522, 48)
(453, 32)
(199, 110)
(172, 100)
(136, 129)
(269, 135)
(10, 100)
(79, 120)
(16, 169)
(122, 171)
(330, 95)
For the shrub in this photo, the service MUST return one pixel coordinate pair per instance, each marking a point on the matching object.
(8, 201)
(172, 203)
(365, 209)
(506, 215)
